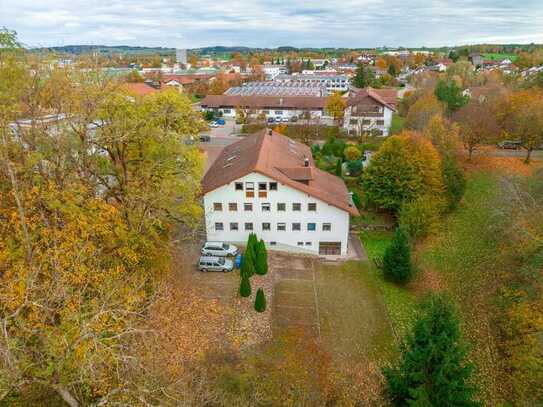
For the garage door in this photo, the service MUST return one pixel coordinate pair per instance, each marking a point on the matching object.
(330, 248)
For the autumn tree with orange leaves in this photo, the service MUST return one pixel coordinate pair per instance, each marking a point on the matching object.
(89, 201)
(523, 118)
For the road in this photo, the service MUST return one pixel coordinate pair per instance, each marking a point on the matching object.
(220, 137)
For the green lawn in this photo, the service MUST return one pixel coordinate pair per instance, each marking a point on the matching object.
(352, 314)
(465, 254)
(500, 57)
(400, 302)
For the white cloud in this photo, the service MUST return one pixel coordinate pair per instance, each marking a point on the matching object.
(350, 23)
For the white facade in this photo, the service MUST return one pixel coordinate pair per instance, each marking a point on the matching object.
(275, 113)
(181, 56)
(304, 229)
(271, 71)
(359, 124)
(332, 83)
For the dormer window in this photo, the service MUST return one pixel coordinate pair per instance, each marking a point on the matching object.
(239, 186)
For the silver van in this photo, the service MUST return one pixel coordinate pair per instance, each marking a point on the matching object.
(218, 249)
(212, 263)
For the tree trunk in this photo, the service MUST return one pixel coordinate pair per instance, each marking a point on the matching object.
(528, 156)
(66, 395)
(470, 153)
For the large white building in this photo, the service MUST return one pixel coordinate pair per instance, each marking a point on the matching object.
(278, 107)
(332, 83)
(268, 184)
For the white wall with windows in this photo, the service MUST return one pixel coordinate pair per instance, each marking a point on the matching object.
(357, 124)
(277, 213)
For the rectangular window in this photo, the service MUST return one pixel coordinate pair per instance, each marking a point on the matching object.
(282, 226)
(353, 122)
(296, 206)
(234, 226)
(239, 186)
(296, 226)
(300, 243)
(273, 243)
(266, 207)
(366, 122)
(266, 111)
(227, 111)
(380, 122)
(232, 206)
(266, 226)
(249, 189)
(308, 243)
(279, 112)
(311, 227)
(217, 206)
(247, 206)
(219, 226)
(273, 186)
(262, 186)
(281, 207)
(312, 206)
(326, 227)
(248, 226)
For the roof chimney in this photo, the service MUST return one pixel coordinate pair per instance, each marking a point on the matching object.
(306, 162)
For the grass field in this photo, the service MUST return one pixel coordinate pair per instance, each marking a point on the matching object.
(500, 57)
(465, 254)
(400, 301)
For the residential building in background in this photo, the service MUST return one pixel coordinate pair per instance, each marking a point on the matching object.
(367, 111)
(271, 71)
(332, 82)
(268, 184)
(181, 56)
(277, 107)
(278, 88)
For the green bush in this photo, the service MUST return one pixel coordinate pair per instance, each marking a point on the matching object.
(261, 258)
(245, 286)
(356, 200)
(397, 265)
(352, 153)
(454, 180)
(260, 301)
(354, 168)
(339, 167)
(247, 264)
(419, 217)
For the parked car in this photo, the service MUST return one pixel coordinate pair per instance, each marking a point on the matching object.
(294, 119)
(278, 119)
(270, 120)
(219, 249)
(285, 119)
(213, 263)
(510, 145)
(220, 122)
(205, 138)
(213, 125)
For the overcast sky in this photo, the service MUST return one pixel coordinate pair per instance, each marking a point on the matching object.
(272, 23)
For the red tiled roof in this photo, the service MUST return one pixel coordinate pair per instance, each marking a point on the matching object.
(373, 94)
(294, 102)
(139, 89)
(281, 159)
